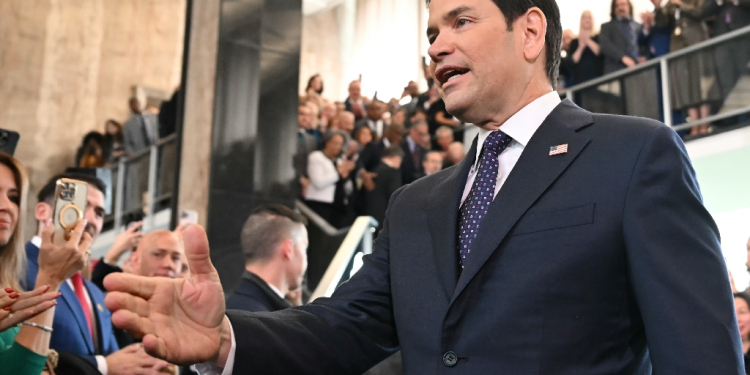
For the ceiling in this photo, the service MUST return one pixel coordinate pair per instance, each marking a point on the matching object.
(314, 6)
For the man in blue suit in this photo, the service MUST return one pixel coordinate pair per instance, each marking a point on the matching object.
(87, 335)
(566, 242)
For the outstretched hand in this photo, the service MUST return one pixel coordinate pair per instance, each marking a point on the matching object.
(181, 320)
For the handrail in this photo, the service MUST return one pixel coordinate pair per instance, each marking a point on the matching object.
(319, 221)
(147, 150)
(360, 233)
(657, 60)
(153, 165)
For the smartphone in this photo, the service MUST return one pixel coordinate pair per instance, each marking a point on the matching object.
(189, 216)
(70, 206)
(8, 141)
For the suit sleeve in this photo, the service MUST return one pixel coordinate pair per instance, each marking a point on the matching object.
(607, 45)
(101, 270)
(676, 267)
(694, 8)
(710, 9)
(345, 334)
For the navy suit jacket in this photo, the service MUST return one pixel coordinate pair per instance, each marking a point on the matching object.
(602, 260)
(71, 330)
(253, 294)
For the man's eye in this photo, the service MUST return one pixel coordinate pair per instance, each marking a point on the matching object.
(15, 199)
(462, 22)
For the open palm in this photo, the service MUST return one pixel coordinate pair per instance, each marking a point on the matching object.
(180, 320)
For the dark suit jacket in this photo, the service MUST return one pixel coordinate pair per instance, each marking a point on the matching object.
(386, 183)
(370, 156)
(410, 172)
(739, 14)
(254, 295)
(614, 46)
(306, 144)
(71, 331)
(602, 260)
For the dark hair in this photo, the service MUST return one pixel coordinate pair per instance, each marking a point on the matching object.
(117, 137)
(93, 136)
(360, 130)
(614, 5)
(267, 227)
(393, 151)
(513, 9)
(309, 83)
(47, 194)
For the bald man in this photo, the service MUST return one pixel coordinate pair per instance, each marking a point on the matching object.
(159, 254)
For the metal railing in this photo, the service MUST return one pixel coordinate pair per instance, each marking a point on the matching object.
(663, 65)
(348, 258)
(144, 182)
(327, 242)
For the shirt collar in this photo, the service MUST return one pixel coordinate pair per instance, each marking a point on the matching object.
(412, 143)
(525, 122)
(36, 241)
(386, 142)
(276, 290)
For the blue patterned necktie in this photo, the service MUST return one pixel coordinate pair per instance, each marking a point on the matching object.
(481, 194)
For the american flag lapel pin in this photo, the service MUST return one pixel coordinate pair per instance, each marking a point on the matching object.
(558, 150)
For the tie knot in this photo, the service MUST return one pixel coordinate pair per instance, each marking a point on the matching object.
(496, 142)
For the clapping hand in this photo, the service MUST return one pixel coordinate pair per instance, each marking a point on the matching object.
(24, 306)
(181, 320)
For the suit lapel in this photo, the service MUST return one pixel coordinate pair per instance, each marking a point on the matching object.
(534, 172)
(446, 196)
(71, 300)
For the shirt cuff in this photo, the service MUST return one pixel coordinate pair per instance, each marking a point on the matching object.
(210, 369)
(101, 364)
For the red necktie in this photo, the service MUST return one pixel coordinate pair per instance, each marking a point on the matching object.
(81, 294)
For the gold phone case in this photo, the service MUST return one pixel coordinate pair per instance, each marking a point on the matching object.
(70, 205)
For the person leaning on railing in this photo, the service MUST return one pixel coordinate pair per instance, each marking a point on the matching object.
(26, 317)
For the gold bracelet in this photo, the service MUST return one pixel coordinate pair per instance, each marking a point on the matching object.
(43, 328)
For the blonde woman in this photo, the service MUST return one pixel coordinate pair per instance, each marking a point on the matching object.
(586, 56)
(26, 317)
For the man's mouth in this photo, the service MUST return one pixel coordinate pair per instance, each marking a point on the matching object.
(449, 73)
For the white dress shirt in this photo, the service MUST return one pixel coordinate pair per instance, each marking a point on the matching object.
(377, 126)
(520, 127)
(101, 362)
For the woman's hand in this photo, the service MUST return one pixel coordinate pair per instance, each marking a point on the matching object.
(58, 263)
(17, 307)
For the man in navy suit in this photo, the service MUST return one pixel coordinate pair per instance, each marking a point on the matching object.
(274, 243)
(566, 242)
(87, 335)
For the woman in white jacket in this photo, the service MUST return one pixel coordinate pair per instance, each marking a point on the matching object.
(329, 180)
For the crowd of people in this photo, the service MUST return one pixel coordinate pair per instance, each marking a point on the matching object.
(52, 314)
(353, 154)
(699, 81)
(144, 128)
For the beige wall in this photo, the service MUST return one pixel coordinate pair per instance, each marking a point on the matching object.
(67, 66)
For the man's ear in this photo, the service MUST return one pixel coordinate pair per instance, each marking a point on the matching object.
(42, 212)
(287, 249)
(534, 29)
(135, 261)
